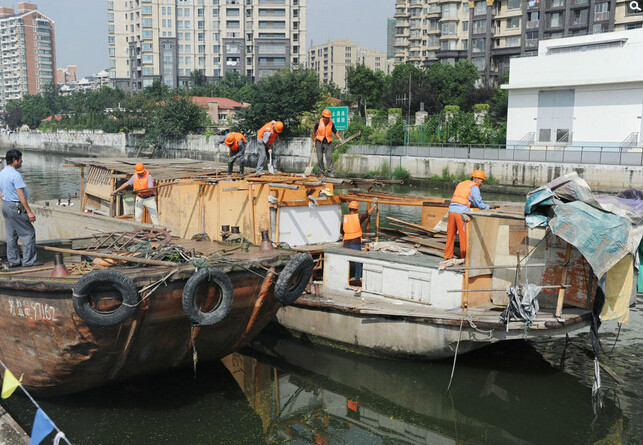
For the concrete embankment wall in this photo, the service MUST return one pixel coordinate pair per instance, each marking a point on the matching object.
(74, 142)
(534, 174)
(293, 155)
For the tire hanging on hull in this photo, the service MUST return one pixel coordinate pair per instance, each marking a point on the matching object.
(105, 279)
(294, 278)
(209, 275)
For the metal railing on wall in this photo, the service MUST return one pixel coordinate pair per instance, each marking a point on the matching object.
(628, 156)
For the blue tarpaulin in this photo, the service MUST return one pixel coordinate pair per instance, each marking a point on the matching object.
(603, 228)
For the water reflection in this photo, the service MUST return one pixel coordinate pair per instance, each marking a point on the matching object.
(505, 394)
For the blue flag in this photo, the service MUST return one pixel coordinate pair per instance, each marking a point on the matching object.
(42, 426)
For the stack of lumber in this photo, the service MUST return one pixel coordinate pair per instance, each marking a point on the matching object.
(424, 239)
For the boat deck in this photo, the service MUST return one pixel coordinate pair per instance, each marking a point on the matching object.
(484, 317)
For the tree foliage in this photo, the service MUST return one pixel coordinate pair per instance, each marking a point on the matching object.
(283, 96)
(174, 118)
(365, 87)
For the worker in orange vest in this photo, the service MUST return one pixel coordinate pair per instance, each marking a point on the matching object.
(322, 138)
(266, 137)
(143, 186)
(467, 194)
(352, 230)
(236, 143)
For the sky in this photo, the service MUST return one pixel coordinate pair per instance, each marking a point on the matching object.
(81, 27)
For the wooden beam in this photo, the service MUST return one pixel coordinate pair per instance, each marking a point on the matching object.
(129, 259)
(561, 292)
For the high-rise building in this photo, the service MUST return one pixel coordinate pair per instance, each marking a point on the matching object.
(168, 39)
(331, 59)
(27, 52)
(66, 75)
(490, 33)
(390, 38)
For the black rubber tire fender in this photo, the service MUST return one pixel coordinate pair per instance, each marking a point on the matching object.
(294, 278)
(200, 277)
(105, 278)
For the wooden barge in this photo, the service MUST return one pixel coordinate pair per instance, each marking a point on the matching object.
(409, 306)
(71, 333)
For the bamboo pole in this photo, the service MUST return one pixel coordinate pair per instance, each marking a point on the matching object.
(128, 259)
(555, 286)
(377, 223)
(82, 189)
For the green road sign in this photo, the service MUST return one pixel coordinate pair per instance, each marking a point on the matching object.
(339, 115)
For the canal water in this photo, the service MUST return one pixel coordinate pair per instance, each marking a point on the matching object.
(285, 390)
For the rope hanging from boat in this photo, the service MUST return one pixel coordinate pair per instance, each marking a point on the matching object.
(455, 355)
(59, 434)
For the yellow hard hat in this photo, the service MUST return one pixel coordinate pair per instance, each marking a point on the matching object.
(478, 174)
(229, 139)
(353, 205)
(279, 126)
(326, 113)
(139, 168)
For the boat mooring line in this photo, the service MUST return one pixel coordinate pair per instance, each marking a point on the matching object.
(59, 434)
(455, 355)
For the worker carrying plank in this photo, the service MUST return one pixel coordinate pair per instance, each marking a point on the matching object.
(143, 185)
(466, 194)
(322, 138)
(266, 137)
(236, 143)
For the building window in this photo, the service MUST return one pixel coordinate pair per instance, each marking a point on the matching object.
(465, 44)
(480, 8)
(579, 17)
(601, 11)
(544, 135)
(465, 26)
(477, 45)
(449, 10)
(513, 4)
(448, 28)
(479, 26)
(556, 19)
(447, 45)
(513, 23)
(512, 41)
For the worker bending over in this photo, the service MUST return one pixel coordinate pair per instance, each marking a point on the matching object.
(352, 230)
(143, 186)
(323, 138)
(236, 143)
(466, 194)
(266, 137)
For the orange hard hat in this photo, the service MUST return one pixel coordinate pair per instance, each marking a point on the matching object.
(326, 113)
(229, 139)
(478, 174)
(279, 126)
(353, 205)
(139, 168)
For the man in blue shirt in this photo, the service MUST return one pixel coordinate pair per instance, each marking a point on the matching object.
(466, 195)
(18, 217)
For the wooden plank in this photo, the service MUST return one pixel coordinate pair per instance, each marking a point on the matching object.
(425, 242)
(561, 292)
(414, 226)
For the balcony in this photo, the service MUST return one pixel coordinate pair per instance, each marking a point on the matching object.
(533, 24)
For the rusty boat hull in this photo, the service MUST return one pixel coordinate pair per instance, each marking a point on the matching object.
(57, 352)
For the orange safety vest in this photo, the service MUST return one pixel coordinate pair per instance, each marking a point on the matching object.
(325, 131)
(270, 126)
(352, 227)
(463, 192)
(235, 143)
(141, 184)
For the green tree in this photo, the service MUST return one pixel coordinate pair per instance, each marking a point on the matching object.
(197, 78)
(174, 118)
(13, 116)
(34, 110)
(158, 90)
(365, 87)
(451, 85)
(283, 96)
(398, 94)
(500, 101)
(234, 85)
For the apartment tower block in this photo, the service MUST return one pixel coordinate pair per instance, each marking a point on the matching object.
(27, 52)
(168, 39)
(489, 33)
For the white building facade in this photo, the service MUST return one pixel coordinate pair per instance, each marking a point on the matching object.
(584, 91)
(168, 39)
